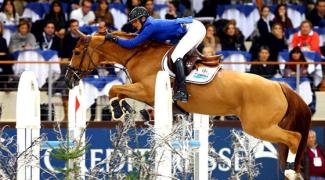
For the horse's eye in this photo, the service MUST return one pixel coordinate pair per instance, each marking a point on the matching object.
(77, 53)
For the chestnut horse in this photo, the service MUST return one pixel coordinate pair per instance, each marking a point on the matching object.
(268, 110)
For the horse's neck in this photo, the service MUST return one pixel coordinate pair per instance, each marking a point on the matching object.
(117, 54)
(148, 51)
(142, 60)
(153, 51)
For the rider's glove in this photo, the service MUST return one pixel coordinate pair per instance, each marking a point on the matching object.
(110, 37)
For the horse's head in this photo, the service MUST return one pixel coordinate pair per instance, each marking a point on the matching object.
(91, 50)
(85, 58)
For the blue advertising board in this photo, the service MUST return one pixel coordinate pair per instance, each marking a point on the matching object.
(101, 148)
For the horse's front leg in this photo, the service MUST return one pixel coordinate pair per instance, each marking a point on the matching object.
(117, 94)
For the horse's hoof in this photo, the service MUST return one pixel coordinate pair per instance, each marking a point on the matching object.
(126, 107)
(145, 115)
(117, 112)
(290, 174)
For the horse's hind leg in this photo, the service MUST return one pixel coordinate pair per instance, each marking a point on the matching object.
(275, 134)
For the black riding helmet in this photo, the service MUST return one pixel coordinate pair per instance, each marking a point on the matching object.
(137, 13)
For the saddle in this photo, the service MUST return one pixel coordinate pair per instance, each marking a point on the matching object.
(193, 59)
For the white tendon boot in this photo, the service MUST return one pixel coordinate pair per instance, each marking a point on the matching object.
(289, 171)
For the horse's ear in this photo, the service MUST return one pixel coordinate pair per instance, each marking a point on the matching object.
(82, 35)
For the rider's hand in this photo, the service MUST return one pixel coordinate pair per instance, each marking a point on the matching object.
(110, 37)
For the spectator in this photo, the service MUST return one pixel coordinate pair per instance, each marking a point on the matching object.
(56, 15)
(74, 4)
(209, 8)
(306, 38)
(172, 11)
(8, 15)
(131, 4)
(317, 15)
(5, 69)
(102, 28)
(60, 33)
(103, 14)
(208, 51)
(149, 5)
(282, 17)
(264, 23)
(185, 8)
(296, 55)
(22, 39)
(265, 70)
(314, 160)
(127, 27)
(211, 38)
(84, 15)
(70, 37)
(233, 39)
(48, 40)
(222, 2)
(60, 36)
(275, 41)
(19, 6)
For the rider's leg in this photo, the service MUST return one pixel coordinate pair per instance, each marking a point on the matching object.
(194, 36)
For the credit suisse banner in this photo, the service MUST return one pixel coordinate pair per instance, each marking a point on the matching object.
(101, 148)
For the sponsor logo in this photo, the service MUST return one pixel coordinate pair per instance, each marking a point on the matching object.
(203, 74)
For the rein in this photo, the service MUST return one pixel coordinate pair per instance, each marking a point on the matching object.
(78, 72)
(86, 52)
(124, 69)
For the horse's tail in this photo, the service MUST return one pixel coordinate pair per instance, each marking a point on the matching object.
(297, 118)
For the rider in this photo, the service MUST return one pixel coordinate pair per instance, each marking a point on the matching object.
(189, 31)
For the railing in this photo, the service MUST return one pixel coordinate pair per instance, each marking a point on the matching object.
(50, 89)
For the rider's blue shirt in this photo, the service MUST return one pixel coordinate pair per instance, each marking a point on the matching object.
(158, 30)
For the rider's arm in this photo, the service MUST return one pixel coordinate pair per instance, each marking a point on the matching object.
(131, 43)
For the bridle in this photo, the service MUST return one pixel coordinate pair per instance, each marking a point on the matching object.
(85, 52)
(77, 72)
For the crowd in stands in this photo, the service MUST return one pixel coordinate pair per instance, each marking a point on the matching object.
(54, 29)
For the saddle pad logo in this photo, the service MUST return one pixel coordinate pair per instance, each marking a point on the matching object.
(201, 75)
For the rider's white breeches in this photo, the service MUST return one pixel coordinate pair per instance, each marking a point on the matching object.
(193, 38)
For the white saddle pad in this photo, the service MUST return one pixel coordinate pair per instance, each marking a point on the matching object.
(202, 75)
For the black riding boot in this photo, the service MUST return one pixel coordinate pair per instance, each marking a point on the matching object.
(180, 92)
